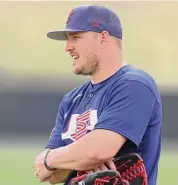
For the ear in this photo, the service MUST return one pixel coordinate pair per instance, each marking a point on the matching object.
(104, 37)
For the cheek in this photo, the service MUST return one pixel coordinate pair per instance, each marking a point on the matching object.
(86, 49)
(83, 53)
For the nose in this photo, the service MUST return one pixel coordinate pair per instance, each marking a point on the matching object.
(69, 46)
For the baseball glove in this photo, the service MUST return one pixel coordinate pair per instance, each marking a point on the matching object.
(130, 171)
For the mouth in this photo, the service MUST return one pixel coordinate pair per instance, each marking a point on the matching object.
(75, 57)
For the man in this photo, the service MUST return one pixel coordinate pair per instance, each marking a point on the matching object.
(118, 111)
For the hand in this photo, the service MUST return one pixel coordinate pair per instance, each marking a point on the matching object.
(43, 174)
(109, 165)
(59, 176)
(36, 164)
(40, 170)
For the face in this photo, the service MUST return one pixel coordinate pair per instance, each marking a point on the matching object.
(82, 47)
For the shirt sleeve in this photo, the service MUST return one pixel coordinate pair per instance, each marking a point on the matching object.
(55, 140)
(128, 110)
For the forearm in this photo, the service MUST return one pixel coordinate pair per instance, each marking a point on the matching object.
(72, 157)
(87, 153)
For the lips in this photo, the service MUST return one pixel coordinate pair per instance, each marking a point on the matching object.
(75, 57)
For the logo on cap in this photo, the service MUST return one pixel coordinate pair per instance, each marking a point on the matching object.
(95, 24)
(70, 16)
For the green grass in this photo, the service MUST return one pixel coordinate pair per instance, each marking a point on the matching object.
(17, 167)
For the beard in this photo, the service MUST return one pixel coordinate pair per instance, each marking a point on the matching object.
(90, 67)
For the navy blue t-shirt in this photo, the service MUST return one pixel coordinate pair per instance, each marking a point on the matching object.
(127, 103)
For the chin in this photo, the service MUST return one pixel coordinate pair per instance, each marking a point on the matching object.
(76, 70)
(79, 71)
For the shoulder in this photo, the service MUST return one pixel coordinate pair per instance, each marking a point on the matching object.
(135, 77)
(136, 74)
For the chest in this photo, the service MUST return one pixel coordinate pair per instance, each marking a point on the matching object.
(83, 113)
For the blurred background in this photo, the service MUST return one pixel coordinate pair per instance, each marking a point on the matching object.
(35, 73)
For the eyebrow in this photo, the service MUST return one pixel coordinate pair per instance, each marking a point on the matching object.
(73, 33)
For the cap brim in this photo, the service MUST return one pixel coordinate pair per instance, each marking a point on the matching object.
(60, 34)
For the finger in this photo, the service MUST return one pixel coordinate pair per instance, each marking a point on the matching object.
(37, 172)
(37, 158)
(103, 167)
(89, 171)
(96, 169)
(46, 179)
(35, 166)
(111, 165)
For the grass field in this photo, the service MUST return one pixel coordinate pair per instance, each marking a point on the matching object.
(17, 167)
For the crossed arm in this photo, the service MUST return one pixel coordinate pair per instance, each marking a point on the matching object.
(87, 153)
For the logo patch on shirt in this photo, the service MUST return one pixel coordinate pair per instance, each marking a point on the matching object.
(79, 125)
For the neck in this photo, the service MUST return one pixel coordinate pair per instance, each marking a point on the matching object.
(106, 71)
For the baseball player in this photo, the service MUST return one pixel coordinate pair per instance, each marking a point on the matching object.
(117, 112)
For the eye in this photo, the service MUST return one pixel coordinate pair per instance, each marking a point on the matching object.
(75, 37)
